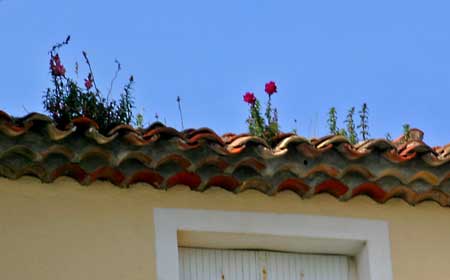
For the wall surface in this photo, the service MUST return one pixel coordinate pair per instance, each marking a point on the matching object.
(67, 231)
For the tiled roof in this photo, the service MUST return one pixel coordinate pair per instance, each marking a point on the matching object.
(164, 157)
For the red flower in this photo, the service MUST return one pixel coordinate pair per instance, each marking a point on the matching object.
(56, 59)
(250, 98)
(88, 82)
(271, 88)
(56, 67)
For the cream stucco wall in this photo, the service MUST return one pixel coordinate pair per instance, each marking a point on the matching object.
(67, 231)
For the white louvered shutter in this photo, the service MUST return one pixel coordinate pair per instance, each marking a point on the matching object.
(216, 264)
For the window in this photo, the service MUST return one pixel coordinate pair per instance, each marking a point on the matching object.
(366, 241)
(210, 264)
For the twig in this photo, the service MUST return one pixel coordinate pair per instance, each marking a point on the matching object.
(295, 130)
(90, 70)
(310, 128)
(181, 113)
(119, 67)
(57, 46)
(23, 106)
(316, 125)
(77, 67)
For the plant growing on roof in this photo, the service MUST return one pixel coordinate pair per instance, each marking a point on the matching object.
(139, 122)
(388, 136)
(350, 130)
(332, 121)
(268, 127)
(364, 121)
(66, 100)
(406, 132)
(351, 133)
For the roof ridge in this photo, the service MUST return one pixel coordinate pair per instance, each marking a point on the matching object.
(400, 149)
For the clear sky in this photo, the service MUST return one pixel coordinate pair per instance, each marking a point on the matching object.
(394, 55)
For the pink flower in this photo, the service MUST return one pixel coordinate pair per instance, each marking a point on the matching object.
(56, 67)
(271, 88)
(88, 82)
(250, 98)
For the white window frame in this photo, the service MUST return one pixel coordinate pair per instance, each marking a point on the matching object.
(370, 237)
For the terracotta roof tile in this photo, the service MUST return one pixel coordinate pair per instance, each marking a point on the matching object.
(164, 157)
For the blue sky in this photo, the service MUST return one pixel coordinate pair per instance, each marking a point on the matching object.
(394, 55)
